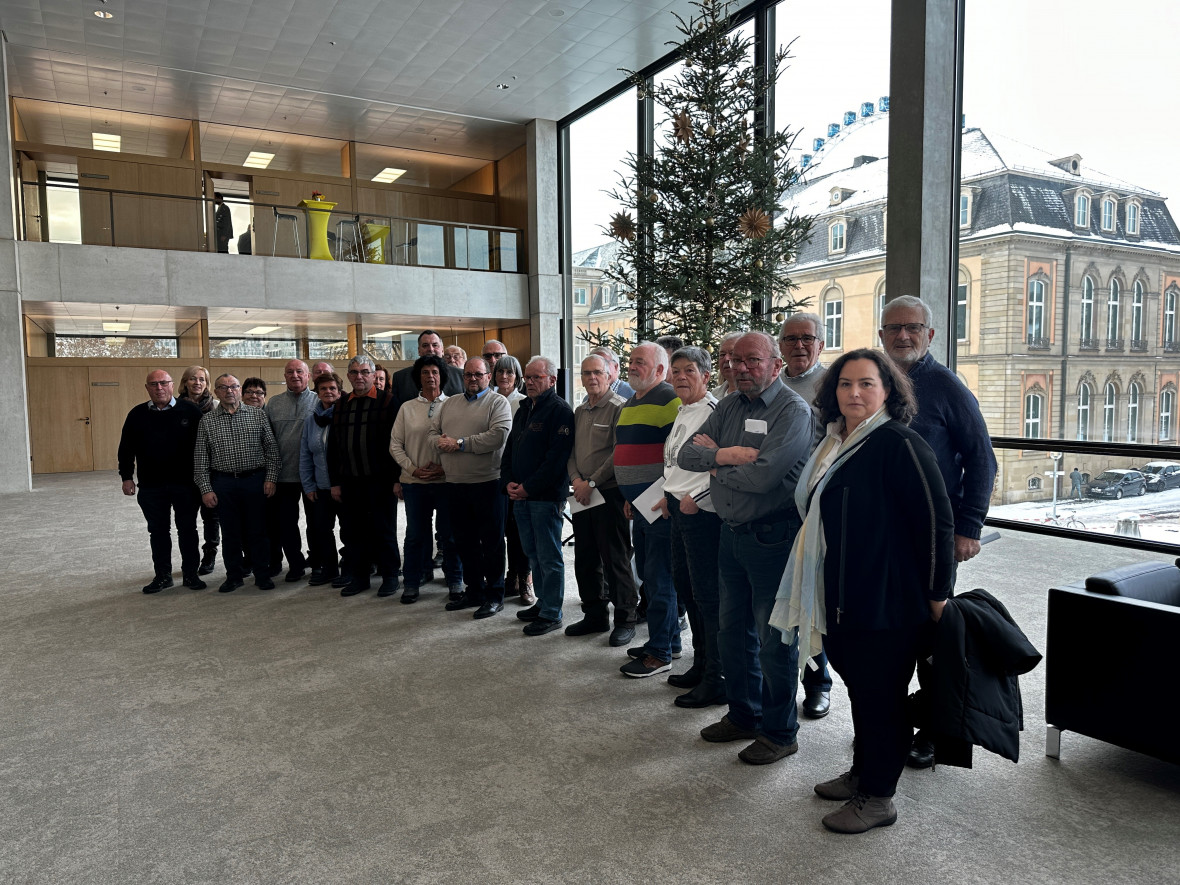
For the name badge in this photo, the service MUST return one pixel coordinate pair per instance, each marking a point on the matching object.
(755, 425)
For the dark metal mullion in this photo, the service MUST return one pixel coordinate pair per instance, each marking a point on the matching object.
(645, 145)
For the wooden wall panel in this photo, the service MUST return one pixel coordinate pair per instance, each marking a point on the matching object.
(518, 341)
(513, 181)
(98, 227)
(114, 391)
(30, 198)
(59, 406)
(168, 224)
(482, 181)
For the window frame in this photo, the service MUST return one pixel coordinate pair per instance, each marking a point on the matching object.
(1137, 300)
(834, 320)
(1081, 210)
(1171, 296)
(842, 227)
(1131, 217)
(1166, 412)
(1034, 401)
(1035, 305)
(1113, 317)
(1086, 320)
(1085, 395)
(1133, 396)
(1110, 400)
(1108, 214)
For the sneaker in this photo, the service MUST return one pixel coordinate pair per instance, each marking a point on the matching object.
(585, 627)
(838, 789)
(540, 626)
(861, 813)
(645, 666)
(764, 751)
(725, 731)
(640, 651)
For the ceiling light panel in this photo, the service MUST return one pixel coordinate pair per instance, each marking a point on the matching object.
(262, 330)
(389, 174)
(258, 160)
(116, 327)
(103, 141)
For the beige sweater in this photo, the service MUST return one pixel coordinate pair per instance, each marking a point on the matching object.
(410, 442)
(483, 425)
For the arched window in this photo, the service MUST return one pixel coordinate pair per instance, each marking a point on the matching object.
(1113, 331)
(1170, 298)
(1137, 313)
(1133, 219)
(1167, 410)
(834, 319)
(1133, 413)
(1084, 411)
(1087, 310)
(1108, 214)
(1035, 313)
(836, 237)
(961, 308)
(1034, 404)
(1081, 211)
(1108, 403)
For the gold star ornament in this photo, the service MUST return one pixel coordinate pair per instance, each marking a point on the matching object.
(754, 224)
(682, 127)
(622, 226)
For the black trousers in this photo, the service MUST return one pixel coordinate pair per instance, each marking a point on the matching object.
(602, 561)
(321, 532)
(211, 529)
(282, 525)
(368, 521)
(241, 508)
(696, 541)
(158, 504)
(477, 520)
(876, 666)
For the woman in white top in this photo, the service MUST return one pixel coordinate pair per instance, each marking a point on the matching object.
(696, 532)
(519, 579)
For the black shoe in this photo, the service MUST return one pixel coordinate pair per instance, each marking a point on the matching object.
(264, 582)
(532, 613)
(690, 678)
(275, 570)
(356, 587)
(230, 585)
(193, 582)
(319, 578)
(389, 587)
(817, 704)
(410, 595)
(620, 636)
(487, 610)
(162, 582)
(461, 603)
(294, 575)
(207, 562)
(437, 562)
(585, 627)
(428, 578)
(342, 580)
(640, 651)
(454, 592)
(701, 696)
(540, 626)
(921, 753)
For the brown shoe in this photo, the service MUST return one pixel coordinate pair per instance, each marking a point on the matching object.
(861, 813)
(724, 731)
(527, 596)
(765, 751)
(838, 789)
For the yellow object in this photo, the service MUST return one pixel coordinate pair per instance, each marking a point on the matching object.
(318, 213)
(374, 236)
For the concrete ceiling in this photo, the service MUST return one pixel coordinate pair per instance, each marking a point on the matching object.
(419, 74)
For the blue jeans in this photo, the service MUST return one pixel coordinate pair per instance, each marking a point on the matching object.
(761, 672)
(539, 525)
(421, 499)
(653, 548)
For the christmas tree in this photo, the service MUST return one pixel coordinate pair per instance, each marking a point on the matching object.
(704, 233)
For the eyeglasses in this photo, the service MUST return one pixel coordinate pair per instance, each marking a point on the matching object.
(894, 328)
(159, 383)
(535, 377)
(474, 374)
(362, 372)
(253, 391)
(592, 373)
(750, 362)
(229, 386)
(495, 355)
(806, 340)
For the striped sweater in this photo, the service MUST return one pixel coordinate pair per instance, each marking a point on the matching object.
(644, 425)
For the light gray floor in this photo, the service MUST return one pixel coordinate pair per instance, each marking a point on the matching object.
(294, 736)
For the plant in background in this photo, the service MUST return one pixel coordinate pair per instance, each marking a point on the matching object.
(704, 233)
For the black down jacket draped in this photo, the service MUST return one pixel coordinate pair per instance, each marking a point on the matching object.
(978, 653)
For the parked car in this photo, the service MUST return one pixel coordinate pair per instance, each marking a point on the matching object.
(1117, 484)
(1161, 475)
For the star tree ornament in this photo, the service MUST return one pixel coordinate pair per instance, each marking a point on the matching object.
(754, 224)
(682, 127)
(622, 227)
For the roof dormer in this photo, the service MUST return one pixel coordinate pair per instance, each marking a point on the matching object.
(1071, 164)
(839, 195)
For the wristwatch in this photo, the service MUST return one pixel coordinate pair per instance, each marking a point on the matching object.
(593, 484)
(460, 442)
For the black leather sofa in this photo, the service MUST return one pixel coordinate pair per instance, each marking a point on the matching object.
(1112, 662)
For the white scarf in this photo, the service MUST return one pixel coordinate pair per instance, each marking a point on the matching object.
(800, 600)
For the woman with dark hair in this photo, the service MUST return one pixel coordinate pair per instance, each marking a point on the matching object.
(381, 378)
(505, 377)
(420, 485)
(194, 387)
(870, 570)
(254, 392)
(313, 476)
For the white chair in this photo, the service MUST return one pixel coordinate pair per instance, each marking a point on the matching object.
(285, 216)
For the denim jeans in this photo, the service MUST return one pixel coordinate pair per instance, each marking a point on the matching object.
(539, 525)
(653, 548)
(421, 500)
(761, 672)
(694, 550)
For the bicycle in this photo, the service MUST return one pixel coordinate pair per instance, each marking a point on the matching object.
(1070, 521)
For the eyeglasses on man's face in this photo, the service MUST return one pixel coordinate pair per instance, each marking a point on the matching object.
(229, 386)
(911, 328)
(750, 362)
(364, 373)
(159, 383)
(474, 374)
(494, 355)
(805, 340)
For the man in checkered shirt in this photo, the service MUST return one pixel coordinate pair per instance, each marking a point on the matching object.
(235, 465)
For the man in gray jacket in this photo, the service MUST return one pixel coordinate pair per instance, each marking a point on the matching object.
(288, 413)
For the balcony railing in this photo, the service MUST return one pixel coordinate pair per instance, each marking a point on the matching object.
(1138, 346)
(1088, 344)
(1114, 344)
(1037, 342)
(1172, 347)
(159, 221)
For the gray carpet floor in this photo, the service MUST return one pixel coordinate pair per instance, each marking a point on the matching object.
(295, 736)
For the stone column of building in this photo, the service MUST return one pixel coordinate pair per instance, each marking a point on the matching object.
(15, 466)
(545, 289)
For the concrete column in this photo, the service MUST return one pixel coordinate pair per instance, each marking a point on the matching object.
(924, 137)
(546, 293)
(15, 453)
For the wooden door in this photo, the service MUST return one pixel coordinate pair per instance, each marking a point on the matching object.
(59, 419)
(114, 391)
(30, 198)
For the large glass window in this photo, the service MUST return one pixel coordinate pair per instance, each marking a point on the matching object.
(1036, 313)
(1170, 298)
(1109, 400)
(1113, 329)
(1133, 413)
(1087, 318)
(1084, 395)
(1167, 410)
(1137, 341)
(1034, 404)
(833, 320)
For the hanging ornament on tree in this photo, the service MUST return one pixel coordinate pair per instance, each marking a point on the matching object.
(758, 263)
(754, 224)
(743, 146)
(682, 127)
(710, 131)
(622, 226)
(710, 221)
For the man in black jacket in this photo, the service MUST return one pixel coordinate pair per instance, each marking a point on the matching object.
(157, 443)
(402, 381)
(534, 476)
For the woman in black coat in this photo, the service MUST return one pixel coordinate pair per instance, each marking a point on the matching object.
(871, 567)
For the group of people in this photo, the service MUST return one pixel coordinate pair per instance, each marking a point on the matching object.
(789, 511)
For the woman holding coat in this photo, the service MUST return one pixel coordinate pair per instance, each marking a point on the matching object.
(870, 570)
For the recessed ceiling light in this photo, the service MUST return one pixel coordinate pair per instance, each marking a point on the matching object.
(388, 174)
(116, 341)
(103, 14)
(390, 333)
(103, 141)
(258, 160)
(557, 13)
(116, 327)
(262, 330)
